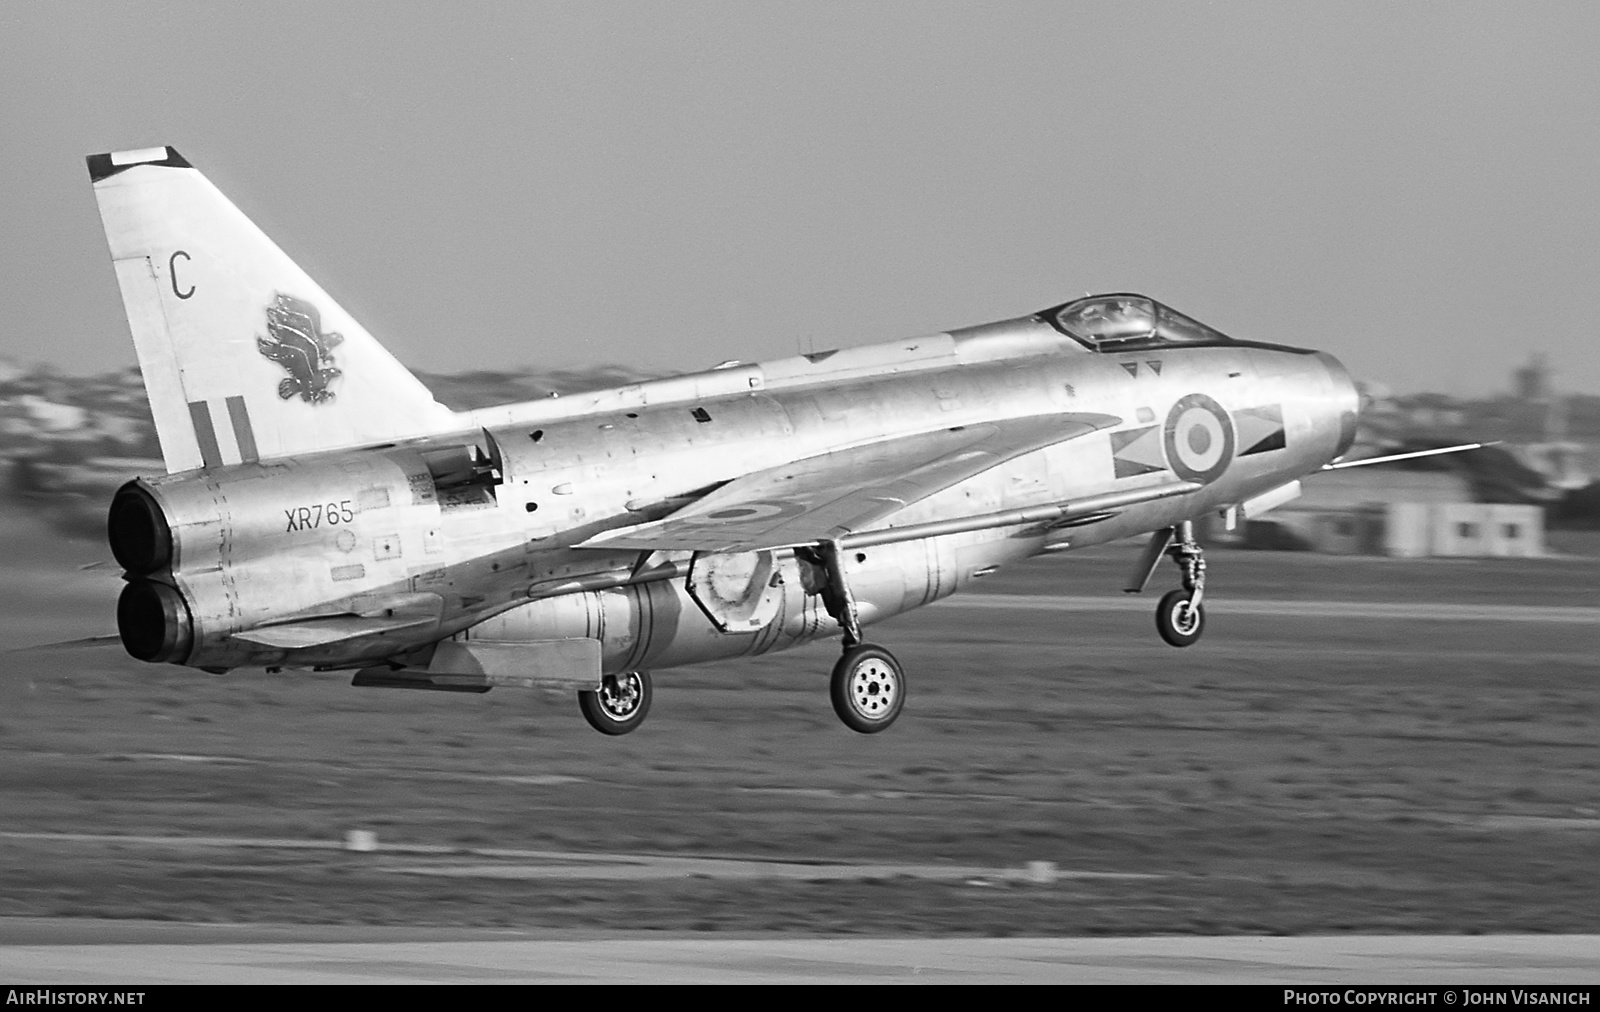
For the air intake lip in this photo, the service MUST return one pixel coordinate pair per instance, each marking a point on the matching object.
(136, 526)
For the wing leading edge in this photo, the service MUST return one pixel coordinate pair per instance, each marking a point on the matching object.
(827, 497)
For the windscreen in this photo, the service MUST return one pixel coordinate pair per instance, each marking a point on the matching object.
(1129, 323)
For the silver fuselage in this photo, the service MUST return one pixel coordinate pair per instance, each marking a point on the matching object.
(372, 530)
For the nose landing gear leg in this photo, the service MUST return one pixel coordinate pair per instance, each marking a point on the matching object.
(1180, 617)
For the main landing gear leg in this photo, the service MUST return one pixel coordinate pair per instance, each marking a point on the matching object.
(1180, 617)
(836, 596)
(868, 686)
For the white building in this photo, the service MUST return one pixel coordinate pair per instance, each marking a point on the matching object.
(1399, 511)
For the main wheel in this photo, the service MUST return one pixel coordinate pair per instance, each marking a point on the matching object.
(868, 688)
(619, 705)
(1179, 622)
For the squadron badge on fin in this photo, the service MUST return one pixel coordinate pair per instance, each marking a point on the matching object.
(297, 343)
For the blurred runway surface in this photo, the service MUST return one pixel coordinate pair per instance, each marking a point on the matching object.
(1395, 749)
(1390, 610)
(90, 952)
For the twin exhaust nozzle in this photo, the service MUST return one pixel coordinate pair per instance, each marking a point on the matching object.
(152, 617)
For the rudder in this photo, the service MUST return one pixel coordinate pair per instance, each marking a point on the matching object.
(244, 357)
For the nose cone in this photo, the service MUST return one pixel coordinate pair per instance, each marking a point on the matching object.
(1345, 400)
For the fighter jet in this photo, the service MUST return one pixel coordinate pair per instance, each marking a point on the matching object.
(322, 511)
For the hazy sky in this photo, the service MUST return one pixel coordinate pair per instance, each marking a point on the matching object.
(1414, 187)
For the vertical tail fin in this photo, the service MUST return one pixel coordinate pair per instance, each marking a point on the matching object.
(244, 356)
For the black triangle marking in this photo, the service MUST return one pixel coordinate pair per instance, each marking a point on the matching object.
(1155, 367)
(1266, 444)
(1129, 468)
(1132, 367)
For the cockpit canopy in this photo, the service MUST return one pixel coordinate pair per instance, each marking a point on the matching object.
(1128, 323)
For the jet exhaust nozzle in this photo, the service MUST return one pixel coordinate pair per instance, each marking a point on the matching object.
(136, 526)
(154, 622)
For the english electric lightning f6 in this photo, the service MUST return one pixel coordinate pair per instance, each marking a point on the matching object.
(321, 510)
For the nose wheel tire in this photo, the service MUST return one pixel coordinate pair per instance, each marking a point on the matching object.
(868, 688)
(619, 705)
(1179, 621)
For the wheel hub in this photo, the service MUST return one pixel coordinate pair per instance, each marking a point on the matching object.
(1185, 617)
(872, 688)
(620, 698)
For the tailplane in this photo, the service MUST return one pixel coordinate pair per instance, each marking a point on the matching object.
(244, 357)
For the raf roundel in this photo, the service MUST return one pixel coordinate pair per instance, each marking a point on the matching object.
(746, 512)
(1199, 439)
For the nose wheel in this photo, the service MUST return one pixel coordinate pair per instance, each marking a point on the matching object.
(619, 705)
(1181, 618)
